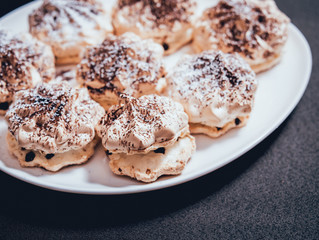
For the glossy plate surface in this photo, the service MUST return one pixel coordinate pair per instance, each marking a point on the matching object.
(279, 91)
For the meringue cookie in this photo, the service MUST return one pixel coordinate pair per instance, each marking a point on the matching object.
(146, 137)
(169, 23)
(24, 62)
(142, 125)
(255, 29)
(122, 64)
(53, 118)
(69, 26)
(215, 89)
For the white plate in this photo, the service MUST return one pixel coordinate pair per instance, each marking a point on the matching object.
(279, 91)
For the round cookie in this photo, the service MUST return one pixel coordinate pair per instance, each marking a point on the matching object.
(149, 167)
(122, 64)
(214, 132)
(257, 30)
(50, 162)
(52, 126)
(169, 23)
(24, 62)
(216, 89)
(69, 26)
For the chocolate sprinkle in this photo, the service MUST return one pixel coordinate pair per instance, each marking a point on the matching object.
(237, 121)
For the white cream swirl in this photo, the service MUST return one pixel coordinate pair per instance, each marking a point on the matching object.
(70, 25)
(24, 61)
(213, 87)
(143, 124)
(125, 64)
(257, 30)
(53, 118)
(166, 22)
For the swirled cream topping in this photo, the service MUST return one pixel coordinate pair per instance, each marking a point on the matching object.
(24, 61)
(53, 118)
(153, 13)
(156, 19)
(255, 29)
(213, 87)
(70, 25)
(123, 64)
(142, 124)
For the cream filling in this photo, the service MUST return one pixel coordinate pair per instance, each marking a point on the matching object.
(212, 115)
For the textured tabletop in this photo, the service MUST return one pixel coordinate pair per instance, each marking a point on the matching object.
(271, 192)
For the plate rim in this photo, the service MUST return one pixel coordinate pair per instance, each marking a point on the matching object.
(192, 176)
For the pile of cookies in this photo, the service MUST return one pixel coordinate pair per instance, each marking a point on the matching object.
(143, 114)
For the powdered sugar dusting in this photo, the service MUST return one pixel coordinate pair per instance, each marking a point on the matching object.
(212, 85)
(22, 59)
(167, 22)
(53, 118)
(140, 123)
(70, 24)
(122, 64)
(161, 12)
(255, 29)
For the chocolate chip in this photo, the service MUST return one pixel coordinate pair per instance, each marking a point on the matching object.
(29, 157)
(165, 46)
(23, 149)
(237, 121)
(266, 54)
(49, 156)
(4, 106)
(108, 152)
(261, 19)
(218, 128)
(120, 170)
(264, 35)
(225, 6)
(160, 150)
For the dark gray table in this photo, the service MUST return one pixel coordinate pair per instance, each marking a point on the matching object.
(269, 193)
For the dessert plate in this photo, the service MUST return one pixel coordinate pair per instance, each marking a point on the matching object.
(279, 91)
